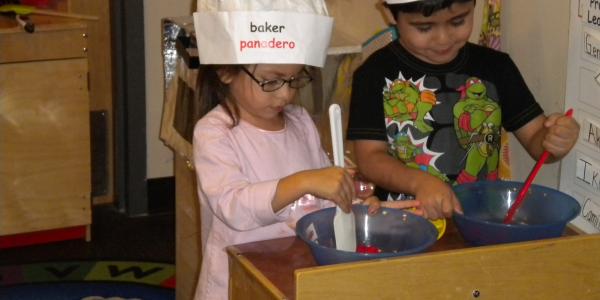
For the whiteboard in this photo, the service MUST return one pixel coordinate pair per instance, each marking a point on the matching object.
(580, 170)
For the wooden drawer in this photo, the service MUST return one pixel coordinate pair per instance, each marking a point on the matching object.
(48, 42)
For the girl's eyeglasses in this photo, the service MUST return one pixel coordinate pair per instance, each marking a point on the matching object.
(275, 84)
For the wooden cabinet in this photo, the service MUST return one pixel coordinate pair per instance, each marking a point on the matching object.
(187, 226)
(44, 129)
(560, 268)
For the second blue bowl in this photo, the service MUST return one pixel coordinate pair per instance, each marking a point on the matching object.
(543, 214)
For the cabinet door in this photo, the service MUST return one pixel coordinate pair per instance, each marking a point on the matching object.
(44, 146)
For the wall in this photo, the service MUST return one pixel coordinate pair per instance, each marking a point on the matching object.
(159, 157)
(536, 35)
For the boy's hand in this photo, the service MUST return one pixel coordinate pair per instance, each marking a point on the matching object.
(437, 198)
(561, 134)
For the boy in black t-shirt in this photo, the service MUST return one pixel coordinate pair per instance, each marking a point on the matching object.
(430, 101)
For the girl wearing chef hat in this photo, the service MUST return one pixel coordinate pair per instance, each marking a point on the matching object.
(258, 156)
(426, 109)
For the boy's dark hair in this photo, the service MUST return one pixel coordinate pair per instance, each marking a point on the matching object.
(425, 7)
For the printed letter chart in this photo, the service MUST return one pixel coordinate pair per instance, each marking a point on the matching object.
(580, 170)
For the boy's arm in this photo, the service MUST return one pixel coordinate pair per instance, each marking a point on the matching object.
(556, 134)
(531, 136)
(385, 171)
(378, 166)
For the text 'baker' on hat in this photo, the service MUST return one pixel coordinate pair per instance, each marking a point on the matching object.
(262, 31)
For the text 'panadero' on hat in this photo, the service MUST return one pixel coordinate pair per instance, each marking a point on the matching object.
(262, 31)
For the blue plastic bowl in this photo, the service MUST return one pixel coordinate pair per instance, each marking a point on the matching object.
(394, 231)
(543, 214)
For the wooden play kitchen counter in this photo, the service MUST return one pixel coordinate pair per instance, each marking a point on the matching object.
(562, 268)
(45, 175)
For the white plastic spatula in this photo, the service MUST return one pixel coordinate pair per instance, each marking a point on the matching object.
(344, 227)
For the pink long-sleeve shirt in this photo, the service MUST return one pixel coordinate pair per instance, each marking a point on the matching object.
(238, 170)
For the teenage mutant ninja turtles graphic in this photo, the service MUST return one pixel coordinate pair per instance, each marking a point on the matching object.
(405, 100)
(477, 121)
(407, 105)
(414, 154)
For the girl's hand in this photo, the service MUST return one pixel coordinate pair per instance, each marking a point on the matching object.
(334, 184)
(561, 134)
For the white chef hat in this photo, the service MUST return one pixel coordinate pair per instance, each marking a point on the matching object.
(262, 31)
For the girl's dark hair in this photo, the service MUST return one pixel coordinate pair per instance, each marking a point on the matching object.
(211, 91)
(425, 7)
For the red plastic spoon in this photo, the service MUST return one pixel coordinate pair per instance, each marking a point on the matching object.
(523, 192)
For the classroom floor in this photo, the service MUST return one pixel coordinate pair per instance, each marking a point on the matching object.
(115, 236)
